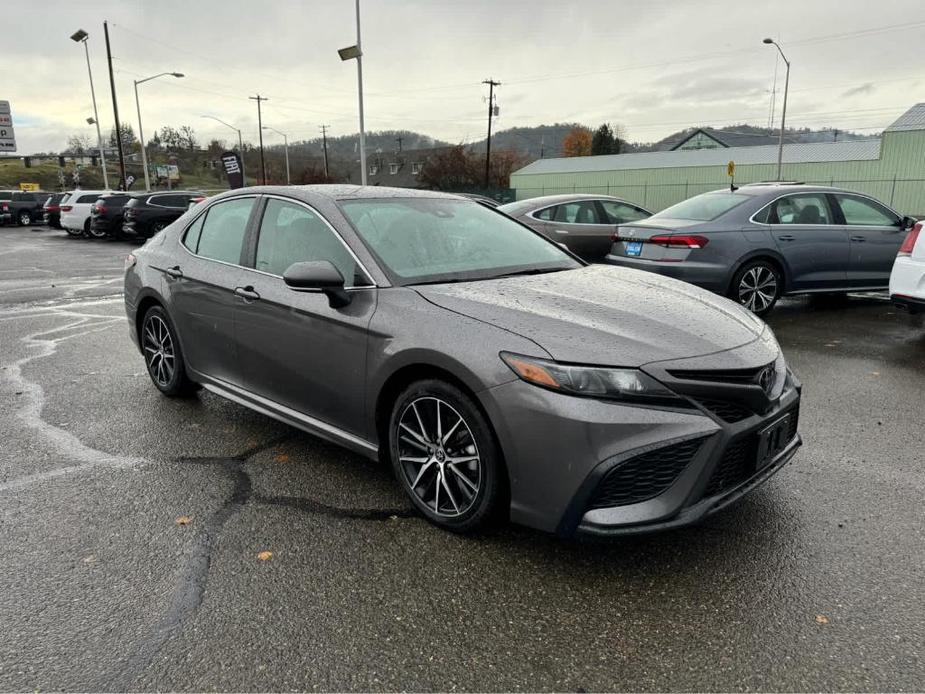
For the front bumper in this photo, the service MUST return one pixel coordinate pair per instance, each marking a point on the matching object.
(560, 450)
(711, 276)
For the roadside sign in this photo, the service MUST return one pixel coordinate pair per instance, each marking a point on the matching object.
(29, 187)
(7, 139)
(129, 180)
(731, 169)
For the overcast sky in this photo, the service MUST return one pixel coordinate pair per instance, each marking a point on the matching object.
(653, 67)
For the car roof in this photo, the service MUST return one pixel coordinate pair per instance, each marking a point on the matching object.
(333, 192)
(547, 200)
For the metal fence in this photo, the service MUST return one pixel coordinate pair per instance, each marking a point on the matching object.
(906, 195)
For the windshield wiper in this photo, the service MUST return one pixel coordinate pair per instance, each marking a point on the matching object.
(530, 271)
(448, 281)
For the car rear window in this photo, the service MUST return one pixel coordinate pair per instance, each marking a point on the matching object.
(703, 208)
(171, 200)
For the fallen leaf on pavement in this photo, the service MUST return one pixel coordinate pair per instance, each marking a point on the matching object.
(822, 619)
(264, 556)
(281, 458)
(184, 520)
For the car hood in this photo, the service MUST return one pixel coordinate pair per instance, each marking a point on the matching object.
(604, 315)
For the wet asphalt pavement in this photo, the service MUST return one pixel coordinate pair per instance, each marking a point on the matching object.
(131, 528)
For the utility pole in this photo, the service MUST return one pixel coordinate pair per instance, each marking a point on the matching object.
(263, 163)
(324, 145)
(115, 109)
(399, 140)
(491, 111)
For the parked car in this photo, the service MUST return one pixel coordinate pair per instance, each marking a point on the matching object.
(493, 370)
(145, 214)
(583, 223)
(759, 242)
(106, 215)
(51, 210)
(907, 281)
(75, 211)
(21, 207)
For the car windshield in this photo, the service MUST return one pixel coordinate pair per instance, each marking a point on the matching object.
(431, 240)
(703, 208)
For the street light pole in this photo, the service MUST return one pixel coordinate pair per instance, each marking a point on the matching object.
(240, 143)
(783, 115)
(141, 137)
(81, 36)
(286, 143)
(351, 53)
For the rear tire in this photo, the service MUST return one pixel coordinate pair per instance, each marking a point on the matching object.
(445, 456)
(163, 355)
(95, 233)
(757, 286)
(86, 230)
(74, 232)
(25, 219)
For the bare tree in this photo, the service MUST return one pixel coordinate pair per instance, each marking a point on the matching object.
(78, 144)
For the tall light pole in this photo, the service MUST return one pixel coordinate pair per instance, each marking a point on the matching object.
(81, 36)
(350, 53)
(240, 143)
(286, 143)
(783, 115)
(141, 136)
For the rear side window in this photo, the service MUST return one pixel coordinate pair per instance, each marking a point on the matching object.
(222, 234)
(191, 239)
(170, 200)
(546, 215)
(88, 198)
(622, 213)
(584, 212)
(808, 209)
(864, 212)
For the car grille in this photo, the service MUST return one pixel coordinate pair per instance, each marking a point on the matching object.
(726, 410)
(733, 376)
(740, 460)
(645, 476)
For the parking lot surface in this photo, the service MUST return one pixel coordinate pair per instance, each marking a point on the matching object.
(149, 543)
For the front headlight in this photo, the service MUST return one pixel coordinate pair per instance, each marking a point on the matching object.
(591, 381)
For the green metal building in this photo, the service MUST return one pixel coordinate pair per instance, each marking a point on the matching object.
(890, 168)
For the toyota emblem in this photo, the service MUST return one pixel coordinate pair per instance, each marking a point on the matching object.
(765, 379)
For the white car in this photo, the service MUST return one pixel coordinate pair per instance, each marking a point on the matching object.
(75, 210)
(907, 281)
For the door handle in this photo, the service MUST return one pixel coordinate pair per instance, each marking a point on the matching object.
(247, 293)
(561, 231)
(859, 239)
(174, 272)
(786, 237)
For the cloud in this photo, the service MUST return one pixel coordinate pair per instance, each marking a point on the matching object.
(866, 88)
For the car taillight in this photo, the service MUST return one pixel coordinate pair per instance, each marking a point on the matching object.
(911, 238)
(100, 207)
(679, 241)
(5, 207)
(66, 208)
(130, 261)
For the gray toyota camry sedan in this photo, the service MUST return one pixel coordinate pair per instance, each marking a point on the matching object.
(498, 375)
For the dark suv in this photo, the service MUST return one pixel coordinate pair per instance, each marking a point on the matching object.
(146, 214)
(19, 207)
(106, 215)
(51, 210)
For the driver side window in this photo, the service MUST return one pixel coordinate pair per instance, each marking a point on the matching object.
(291, 233)
(808, 209)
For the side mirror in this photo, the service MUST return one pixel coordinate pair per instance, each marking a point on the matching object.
(318, 275)
(907, 223)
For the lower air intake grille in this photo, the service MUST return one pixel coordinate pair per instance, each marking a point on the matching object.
(731, 412)
(645, 476)
(737, 465)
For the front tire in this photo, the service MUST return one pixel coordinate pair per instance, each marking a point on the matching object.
(163, 355)
(445, 456)
(25, 219)
(757, 286)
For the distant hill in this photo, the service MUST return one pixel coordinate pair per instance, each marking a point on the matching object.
(345, 147)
